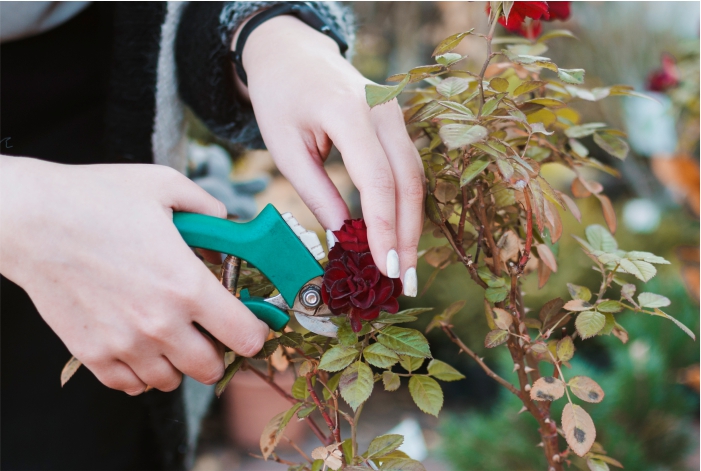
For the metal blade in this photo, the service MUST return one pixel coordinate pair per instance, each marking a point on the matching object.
(318, 325)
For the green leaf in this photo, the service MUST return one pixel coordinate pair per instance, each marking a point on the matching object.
(410, 363)
(609, 305)
(495, 338)
(641, 270)
(383, 445)
(556, 33)
(686, 330)
(475, 168)
(459, 135)
(609, 325)
(490, 106)
(356, 384)
(228, 374)
(652, 300)
(379, 94)
(499, 84)
(306, 412)
(571, 75)
(646, 257)
(331, 385)
(452, 86)
(496, 294)
(426, 393)
(589, 323)
(457, 107)
(402, 464)
(450, 43)
(380, 356)
(579, 292)
(584, 130)
(337, 358)
(601, 239)
(595, 464)
(488, 277)
(391, 381)
(405, 341)
(443, 371)
(565, 349)
(268, 349)
(345, 334)
(291, 339)
(426, 112)
(614, 145)
(449, 58)
(299, 388)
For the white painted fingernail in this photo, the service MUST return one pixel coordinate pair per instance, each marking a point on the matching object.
(330, 239)
(393, 264)
(410, 283)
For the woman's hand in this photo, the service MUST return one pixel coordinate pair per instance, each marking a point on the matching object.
(306, 97)
(95, 248)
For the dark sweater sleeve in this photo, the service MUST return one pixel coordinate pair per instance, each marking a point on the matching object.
(205, 71)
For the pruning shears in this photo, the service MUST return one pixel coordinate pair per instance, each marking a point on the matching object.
(278, 246)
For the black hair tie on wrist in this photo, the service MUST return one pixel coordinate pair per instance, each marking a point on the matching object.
(302, 10)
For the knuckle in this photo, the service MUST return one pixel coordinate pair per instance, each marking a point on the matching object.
(414, 188)
(381, 185)
(155, 327)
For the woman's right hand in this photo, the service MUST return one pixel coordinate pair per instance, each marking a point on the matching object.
(95, 248)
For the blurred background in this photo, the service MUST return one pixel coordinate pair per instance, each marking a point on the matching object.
(650, 417)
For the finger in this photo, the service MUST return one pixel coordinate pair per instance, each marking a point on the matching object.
(305, 171)
(371, 173)
(182, 194)
(157, 372)
(203, 360)
(118, 375)
(409, 179)
(228, 320)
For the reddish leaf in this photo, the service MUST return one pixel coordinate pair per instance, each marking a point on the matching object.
(571, 205)
(609, 213)
(546, 256)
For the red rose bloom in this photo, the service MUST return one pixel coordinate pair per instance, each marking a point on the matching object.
(666, 77)
(559, 10)
(353, 284)
(353, 235)
(536, 11)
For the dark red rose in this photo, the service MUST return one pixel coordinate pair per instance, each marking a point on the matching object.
(536, 11)
(354, 286)
(353, 235)
(665, 77)
(559, 10)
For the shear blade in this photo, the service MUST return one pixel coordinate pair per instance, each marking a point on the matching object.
(318, 325)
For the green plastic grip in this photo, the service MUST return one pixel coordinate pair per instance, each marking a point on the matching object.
(267, 242)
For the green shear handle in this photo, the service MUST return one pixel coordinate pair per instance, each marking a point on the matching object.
(268, 243)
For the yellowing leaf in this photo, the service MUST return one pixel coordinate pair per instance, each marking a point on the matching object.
(589, 323)
(502, 319)
(579, 429)
(565, 349)
(452, 86)
(426, 393)
(614, 145)
(609, 305)
(499, 84)
(579, 292)
(526, 87)
(379, 94)
(450, 43)
(410, 363)
(443, 371)
(547, 388)
(577, 305)
(548, 102)
(356, 384)
(337, 358)
(391, 381)
(495, 338)
(69, 370)
(586, 389)
(445, 191)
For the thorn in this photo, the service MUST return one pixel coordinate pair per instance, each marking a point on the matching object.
(556, 458)
(523, 409)
(528, 369)
(516, 367)
(547, 420)
(527, 387)
(541, 445)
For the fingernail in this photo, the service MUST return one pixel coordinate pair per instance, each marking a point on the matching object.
(330, 239)
(410, 283)
(392, 264)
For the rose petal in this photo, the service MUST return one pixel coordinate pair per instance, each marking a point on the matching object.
(355, 323)
(391, 306)
(368, 314)
(363, 300)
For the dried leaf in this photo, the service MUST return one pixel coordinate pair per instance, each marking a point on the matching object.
(509, 245)
(547, 257)
(426, 393)
(586, 389)
(330, 455)
(579, 429)
(577, 305)
(620, 333)
(502, 319)
(547, 388)
(543, 274)
(495, 338)
(571, 205)
(550, 308)
(445, 191)
(69, 370)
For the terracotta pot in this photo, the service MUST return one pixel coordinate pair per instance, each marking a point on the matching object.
(250, 403)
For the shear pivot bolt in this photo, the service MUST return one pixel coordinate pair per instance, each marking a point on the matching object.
(310, 296)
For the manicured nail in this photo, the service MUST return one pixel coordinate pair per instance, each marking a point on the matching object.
(410, 283)
(393, 264)
(330, 239)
